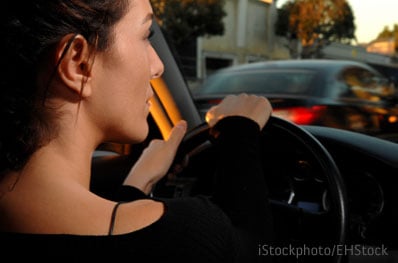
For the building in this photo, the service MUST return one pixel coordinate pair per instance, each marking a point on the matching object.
(382, 46)
(249, 36)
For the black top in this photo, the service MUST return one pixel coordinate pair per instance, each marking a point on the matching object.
(230, 226)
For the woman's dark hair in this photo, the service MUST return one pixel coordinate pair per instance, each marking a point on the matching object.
(30, 30)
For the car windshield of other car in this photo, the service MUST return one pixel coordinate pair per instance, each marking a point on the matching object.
(260, 81)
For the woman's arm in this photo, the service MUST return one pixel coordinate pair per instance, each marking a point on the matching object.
(240, 186)
(155, 160)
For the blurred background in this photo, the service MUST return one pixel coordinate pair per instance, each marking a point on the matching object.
(357, 92)
(211, 34)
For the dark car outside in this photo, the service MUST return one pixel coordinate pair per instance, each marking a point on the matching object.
(341, 94)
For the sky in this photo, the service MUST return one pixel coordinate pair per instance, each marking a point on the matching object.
(370, 17)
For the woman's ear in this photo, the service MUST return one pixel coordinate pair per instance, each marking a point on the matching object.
(74, 67)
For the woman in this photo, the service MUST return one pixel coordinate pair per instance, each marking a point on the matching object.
(77, 73)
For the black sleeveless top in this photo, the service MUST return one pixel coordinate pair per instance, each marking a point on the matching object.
(229, 226)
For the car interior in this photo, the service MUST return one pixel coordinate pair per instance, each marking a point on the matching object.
(327, 186)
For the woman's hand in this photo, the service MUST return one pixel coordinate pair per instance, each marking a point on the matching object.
(256, 108)
(156, 160)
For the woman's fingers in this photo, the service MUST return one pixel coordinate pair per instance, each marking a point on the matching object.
(257, 108)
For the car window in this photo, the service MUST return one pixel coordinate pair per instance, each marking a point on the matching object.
(261, 81)
(365, 84)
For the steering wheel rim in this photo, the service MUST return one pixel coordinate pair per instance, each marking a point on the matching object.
(198, 139)
(325, 160)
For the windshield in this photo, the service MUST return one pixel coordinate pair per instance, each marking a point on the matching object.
(260, 81)
(308, 56)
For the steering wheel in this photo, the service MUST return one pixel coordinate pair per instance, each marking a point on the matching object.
(297, 219)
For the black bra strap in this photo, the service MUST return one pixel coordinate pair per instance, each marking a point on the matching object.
(113, 217)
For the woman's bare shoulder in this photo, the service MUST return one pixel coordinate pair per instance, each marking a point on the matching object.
(73, 210)
(136, 215)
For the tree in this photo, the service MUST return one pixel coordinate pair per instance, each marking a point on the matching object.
(314, 24)
(386, 33)
(185, 20)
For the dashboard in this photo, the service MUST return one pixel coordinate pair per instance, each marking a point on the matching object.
(369, 167)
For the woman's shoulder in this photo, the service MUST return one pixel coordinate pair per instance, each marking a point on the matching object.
(132, 216)
(71, 209)
(191, 229)
(196, 213)
(177, 211)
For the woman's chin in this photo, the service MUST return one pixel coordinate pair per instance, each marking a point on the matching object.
(140, 135)
(132, 136)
